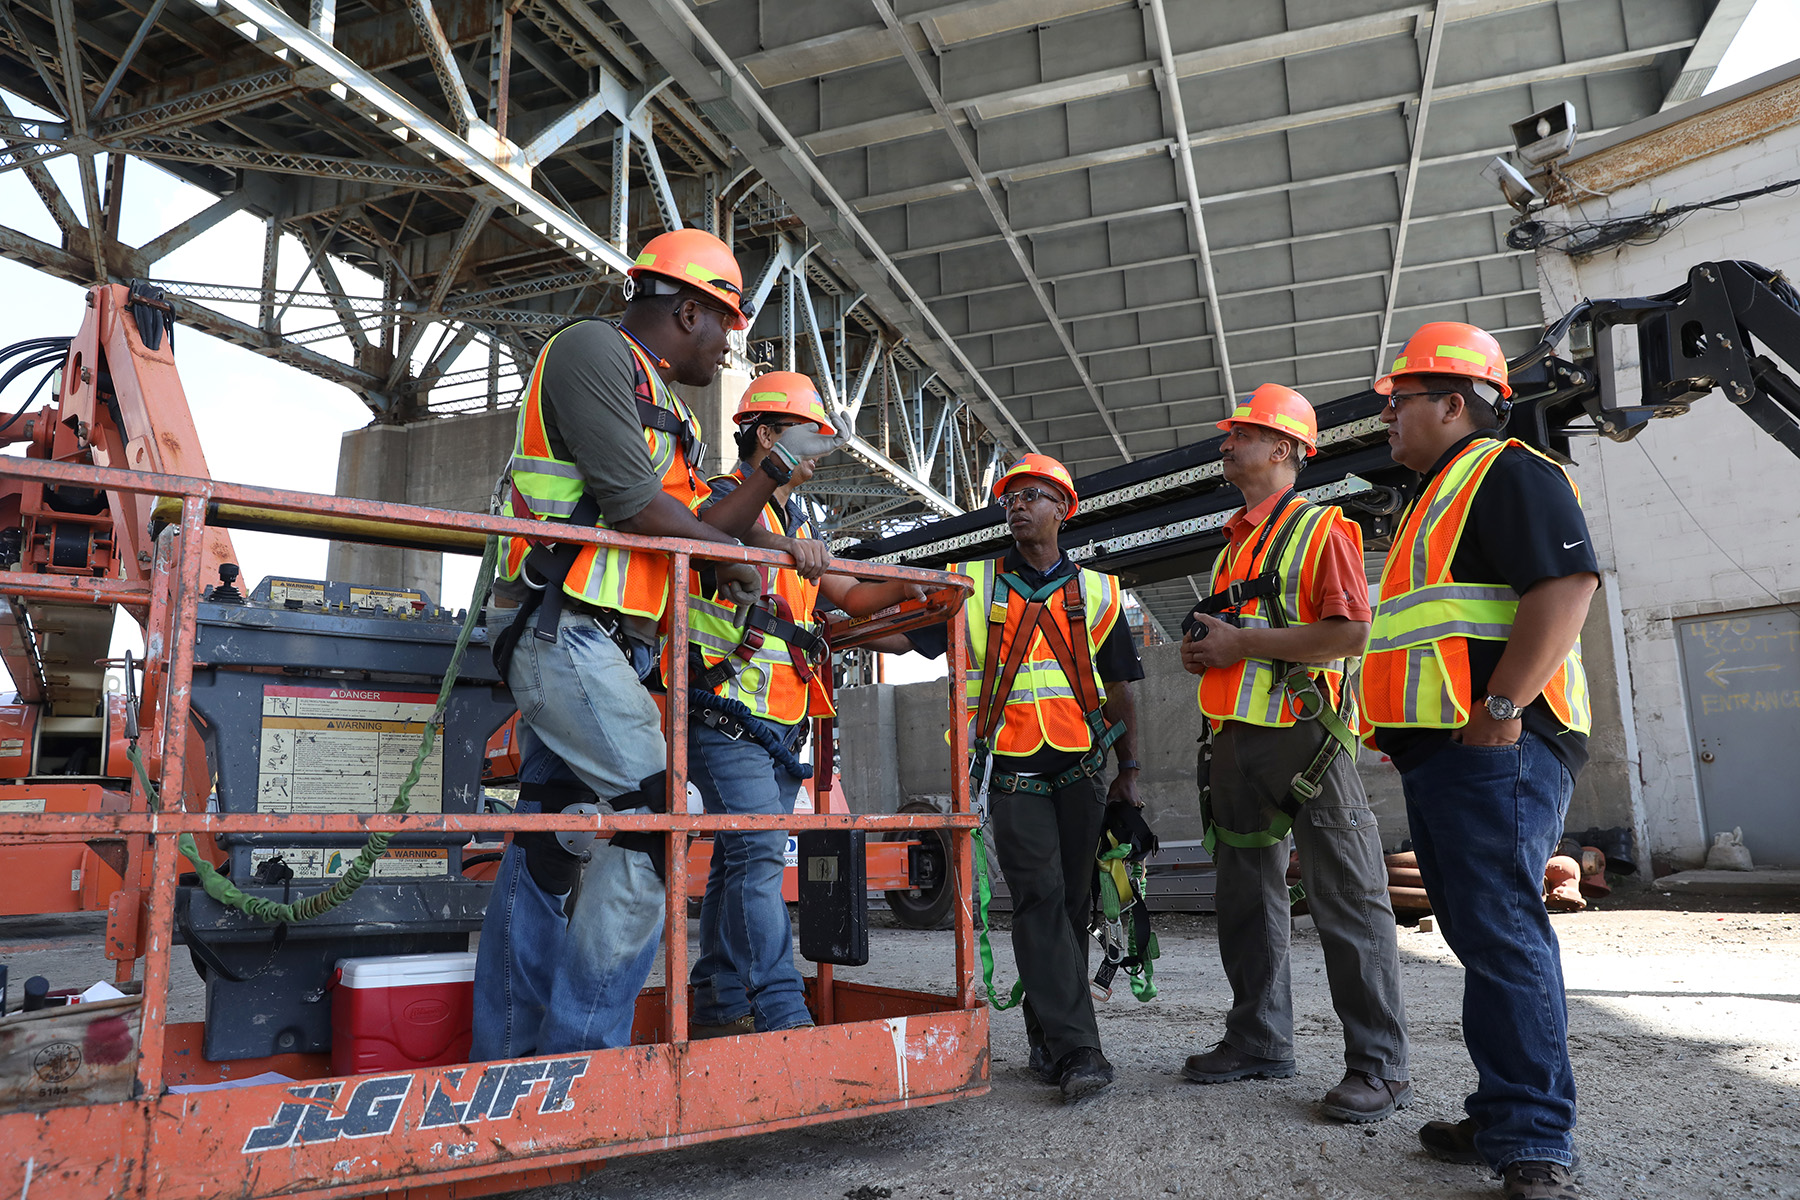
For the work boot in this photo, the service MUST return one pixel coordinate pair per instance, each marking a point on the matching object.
(1451, 1141)
(1042, 1065)
(744, 1024)
(1083, 1072)
(1539, 1181)
(1224, 1063)
(1363, 1098)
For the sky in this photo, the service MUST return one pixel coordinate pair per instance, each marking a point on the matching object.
(265, 423)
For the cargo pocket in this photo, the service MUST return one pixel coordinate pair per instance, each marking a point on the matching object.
(1345, 849)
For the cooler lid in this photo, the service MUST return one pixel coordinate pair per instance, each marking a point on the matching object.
(406, 970)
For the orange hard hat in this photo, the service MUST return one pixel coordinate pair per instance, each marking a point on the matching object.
(1040, 466)
(701, 261)
(1450, 348)
(784, 392)
(1279, 408)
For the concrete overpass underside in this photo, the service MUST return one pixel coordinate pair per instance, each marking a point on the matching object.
(986, 226)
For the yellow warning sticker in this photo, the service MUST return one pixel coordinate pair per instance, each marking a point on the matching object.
(305, 591)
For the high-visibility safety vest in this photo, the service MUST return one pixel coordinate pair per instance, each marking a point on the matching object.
(1251, 690)
(773, 679)
(1042, 709)
(1416, 668)
(549, 488)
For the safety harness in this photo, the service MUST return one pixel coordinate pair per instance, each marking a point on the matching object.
(1075, 658)
(1300, 685)
(1123, 928)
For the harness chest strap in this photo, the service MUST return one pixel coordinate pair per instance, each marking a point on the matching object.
(1299, 683)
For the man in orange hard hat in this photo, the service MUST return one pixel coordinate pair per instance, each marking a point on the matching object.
(1473, 685)
(603, 440)
(1289, 608)
(757, 676)
(1050, 666)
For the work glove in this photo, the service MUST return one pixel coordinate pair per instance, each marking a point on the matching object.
(738, 583)
(805, 441)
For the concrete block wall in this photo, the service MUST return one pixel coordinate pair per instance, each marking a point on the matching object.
(452, 463)
(1700, 513)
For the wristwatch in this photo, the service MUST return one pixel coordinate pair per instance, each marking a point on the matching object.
(1502, 709)
(1129, 764)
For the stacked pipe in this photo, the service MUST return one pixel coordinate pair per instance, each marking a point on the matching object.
(1406, 887)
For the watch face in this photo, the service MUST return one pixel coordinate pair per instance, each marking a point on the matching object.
(1501, 709)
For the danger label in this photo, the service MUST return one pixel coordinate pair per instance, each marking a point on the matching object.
(345, 749)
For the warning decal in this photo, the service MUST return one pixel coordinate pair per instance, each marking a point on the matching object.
(315, 862)
(345, 749)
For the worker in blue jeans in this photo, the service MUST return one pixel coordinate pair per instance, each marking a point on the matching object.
(758, 675)
(1472, 683)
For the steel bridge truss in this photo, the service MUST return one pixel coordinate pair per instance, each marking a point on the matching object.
(455, 180)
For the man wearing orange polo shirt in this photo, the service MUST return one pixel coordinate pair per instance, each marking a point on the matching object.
(1283, 759)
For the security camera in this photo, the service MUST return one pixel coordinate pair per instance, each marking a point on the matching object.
(1515, 187)
(1546, 136)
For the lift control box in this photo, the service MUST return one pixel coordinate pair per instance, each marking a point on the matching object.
(314, 697)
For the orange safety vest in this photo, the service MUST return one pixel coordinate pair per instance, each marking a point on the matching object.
(1416, 668)
(1043, 707)
(1250, 690)
(775, 681)
(548, 488)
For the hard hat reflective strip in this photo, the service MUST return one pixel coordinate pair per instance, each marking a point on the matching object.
(1240, 412)
(645, 259)
(1461, 355)
(1399, 365)
(1287, 422)
(772, 397)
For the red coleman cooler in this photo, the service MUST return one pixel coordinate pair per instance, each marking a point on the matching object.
(401, 1011)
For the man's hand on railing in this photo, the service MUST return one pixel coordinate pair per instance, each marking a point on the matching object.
(811, 557)
(739, 583)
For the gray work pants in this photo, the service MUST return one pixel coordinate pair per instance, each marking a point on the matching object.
(1046, 846)
(1345, 878)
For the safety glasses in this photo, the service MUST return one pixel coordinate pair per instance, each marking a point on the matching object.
(1007, 501)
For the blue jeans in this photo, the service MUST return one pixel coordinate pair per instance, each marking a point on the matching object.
(746, 962)
(1485, 820)
(545, 984)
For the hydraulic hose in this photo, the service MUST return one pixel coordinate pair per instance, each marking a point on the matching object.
(227, 893)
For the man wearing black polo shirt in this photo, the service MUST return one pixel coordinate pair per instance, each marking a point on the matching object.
(1473, 684)
(1050, 663)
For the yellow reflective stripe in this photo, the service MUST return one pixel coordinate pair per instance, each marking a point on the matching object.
(1287, 422)
(1461, 355)
(1240, 412)
(645, 259)
(1399, 365)
(544, 466)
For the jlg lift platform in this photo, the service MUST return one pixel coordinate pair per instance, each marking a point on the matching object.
(460, 1130)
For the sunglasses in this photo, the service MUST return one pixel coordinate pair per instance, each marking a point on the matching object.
(1396, 399)
(1025, 495)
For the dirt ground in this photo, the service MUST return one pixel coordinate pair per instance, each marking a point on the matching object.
(1684, 1028)
(1685, 1031)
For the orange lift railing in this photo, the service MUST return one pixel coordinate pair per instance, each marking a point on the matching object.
(473, 1129)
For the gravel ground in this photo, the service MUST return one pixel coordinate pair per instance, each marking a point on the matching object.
(1685, 1030)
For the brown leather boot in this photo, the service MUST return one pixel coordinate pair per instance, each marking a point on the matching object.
(1363, 1098)
(1451, 1141)
(1539, 1181)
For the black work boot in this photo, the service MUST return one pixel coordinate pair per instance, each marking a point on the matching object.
(1083, 1072)
(1042, 1065)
